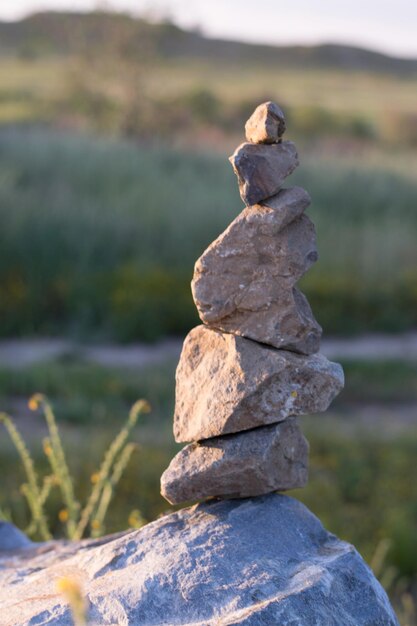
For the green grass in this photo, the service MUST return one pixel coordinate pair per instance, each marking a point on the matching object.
(352, 92)
(83, 393)
(68, 88)
(380, 381)
(99, 237)
(360, 489)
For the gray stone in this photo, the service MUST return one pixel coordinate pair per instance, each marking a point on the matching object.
(244, 282)
(227, 384)
(251, 463)
(265, 560)
(261, 169)
(288, 204)
(266, 124)
(11, 538)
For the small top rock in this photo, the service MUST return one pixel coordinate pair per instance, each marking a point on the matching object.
(266, 124)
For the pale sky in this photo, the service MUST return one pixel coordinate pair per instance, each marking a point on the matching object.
(385, 25)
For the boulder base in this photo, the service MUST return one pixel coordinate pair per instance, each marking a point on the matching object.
(248, 562)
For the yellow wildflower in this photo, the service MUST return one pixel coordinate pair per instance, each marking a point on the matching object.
(142, 406)
(68, 586)
(63, 515)
(294, 394)
(73, 593)
(47, 448)
(95, 477)
(33, 403)
(136, 520)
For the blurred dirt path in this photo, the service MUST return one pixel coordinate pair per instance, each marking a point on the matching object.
(19, 353)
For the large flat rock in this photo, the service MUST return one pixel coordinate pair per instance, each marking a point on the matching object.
(251, 463)
(261, 169)
(226, 384)
(244, 562)
(244, 283)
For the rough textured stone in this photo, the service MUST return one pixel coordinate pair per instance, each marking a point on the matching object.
(252, 463)
(244, 282)
(226, 384)
(266, 124)
(244, 562)
(261, 169)
(288, 204)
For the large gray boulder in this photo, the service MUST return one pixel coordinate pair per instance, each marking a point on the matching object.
(250, 562)
(227, 384)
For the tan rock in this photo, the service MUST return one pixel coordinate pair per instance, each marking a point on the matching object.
(288, 204)
(266, 124)
(261, 169)
(227, 384)
(272, 458)
(244, 282)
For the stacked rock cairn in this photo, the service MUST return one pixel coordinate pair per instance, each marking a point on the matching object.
(254, 365)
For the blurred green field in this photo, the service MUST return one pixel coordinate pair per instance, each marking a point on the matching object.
(99, 236)
(184, 98)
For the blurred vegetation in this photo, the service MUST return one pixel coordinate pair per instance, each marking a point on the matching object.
(83, 393)
(76, 519)
(114, 74)
(63, 33)
(360, 478)
(99, 237)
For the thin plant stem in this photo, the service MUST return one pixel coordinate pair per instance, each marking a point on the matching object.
(61, 467)
(109, 487)
(32, 491)
(110, 456)
(54, 463)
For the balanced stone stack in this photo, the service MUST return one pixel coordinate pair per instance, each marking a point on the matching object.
(253, 366)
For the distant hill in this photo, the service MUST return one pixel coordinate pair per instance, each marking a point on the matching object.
(67, 33)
